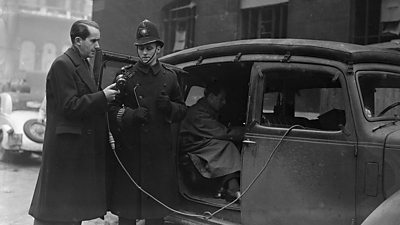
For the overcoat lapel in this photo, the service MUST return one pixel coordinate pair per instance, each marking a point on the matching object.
(81, 69)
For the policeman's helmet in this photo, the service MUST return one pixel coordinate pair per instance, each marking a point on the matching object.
(147, 33)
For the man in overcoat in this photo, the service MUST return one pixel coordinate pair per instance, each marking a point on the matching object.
(209, 144)
(143, 112)
(71, 183)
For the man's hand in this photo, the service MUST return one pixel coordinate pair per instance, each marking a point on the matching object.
(163, 103)
(110, 92)
(236, 133)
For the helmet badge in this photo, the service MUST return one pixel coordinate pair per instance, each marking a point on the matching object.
(144, 32)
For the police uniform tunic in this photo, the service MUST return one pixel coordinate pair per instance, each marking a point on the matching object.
(146, 149)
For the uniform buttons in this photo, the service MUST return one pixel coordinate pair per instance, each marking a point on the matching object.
(140, 96)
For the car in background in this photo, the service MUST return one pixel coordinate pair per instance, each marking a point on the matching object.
(21, 132)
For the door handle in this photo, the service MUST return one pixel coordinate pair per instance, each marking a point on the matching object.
(247, 141)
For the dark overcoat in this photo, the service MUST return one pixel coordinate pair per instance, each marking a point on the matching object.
(146, 148)
(71, 183)
(208, 142)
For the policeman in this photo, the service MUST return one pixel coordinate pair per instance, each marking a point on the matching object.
(149, 102)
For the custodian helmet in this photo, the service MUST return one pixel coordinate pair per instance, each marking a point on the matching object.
(147, 33)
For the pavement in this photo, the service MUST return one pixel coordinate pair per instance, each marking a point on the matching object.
(17, 182)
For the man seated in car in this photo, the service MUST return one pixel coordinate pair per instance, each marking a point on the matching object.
(209, 144)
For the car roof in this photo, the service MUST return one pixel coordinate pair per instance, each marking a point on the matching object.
(393, 45)
(338, 51)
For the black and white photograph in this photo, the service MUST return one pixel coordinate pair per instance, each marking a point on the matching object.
(199, 112)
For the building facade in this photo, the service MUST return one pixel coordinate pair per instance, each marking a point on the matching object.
(188, 23)
(32, 34)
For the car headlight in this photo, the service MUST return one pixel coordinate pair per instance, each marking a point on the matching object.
(34, 130)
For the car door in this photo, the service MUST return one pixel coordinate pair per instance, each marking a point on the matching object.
(298, 166)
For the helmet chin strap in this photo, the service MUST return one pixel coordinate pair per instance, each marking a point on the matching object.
(151, 58)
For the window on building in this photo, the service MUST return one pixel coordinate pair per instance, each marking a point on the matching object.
(3, 45)
(373, 23)
(27, 56)
(81, 8)
(265, 22)
(179, 21)
(48, 56)
(29, 4)
(58, 7)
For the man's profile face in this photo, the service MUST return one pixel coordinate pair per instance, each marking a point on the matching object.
(87, 47)
(217, 101)
(148, 53)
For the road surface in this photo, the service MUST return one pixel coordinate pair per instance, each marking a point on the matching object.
(17, 182)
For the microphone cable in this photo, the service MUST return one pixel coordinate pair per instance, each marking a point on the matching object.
(207, 215)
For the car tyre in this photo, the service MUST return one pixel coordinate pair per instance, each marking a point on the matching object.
(28, 124)
(4, 155)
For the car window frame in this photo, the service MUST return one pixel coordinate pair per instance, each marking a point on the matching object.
(255, 112)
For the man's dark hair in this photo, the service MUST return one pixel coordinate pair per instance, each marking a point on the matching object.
(80, 29)
(214, 87)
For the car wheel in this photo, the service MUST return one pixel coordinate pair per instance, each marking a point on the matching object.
(34, 130)
(3, 152)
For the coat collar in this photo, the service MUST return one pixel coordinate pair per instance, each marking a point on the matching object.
(81, 68)
(146, 68)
